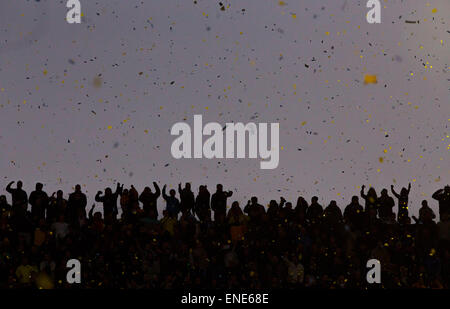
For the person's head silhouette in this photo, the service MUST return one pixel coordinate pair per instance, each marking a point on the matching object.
(372, 192)
(39, 186)
(404, 192)
(254, 200)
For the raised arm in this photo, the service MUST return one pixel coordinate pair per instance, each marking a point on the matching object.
(99, 198)
(409, 187)
(393, 192)
(118, 189)
(164, 192)
(282, 202)
(90, 212)
(363, 195)
(8, 187)
(437, 195)
(157, 190)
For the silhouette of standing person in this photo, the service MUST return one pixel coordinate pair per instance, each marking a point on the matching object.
(315, 210)
(333, 214)
(386, 203)
(149, 201)
(426, 214)
(353, 212)
(443, 197)
(202, 203)
(39, 202)
(402, 215)
(19, 196)
(254, 210)
(76, 204)
(219, 201)
(302, 206)
(57, 206)
(109, 200)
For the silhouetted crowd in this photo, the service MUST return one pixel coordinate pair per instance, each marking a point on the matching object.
(201, 242)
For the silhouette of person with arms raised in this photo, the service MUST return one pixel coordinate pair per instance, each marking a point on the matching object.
(109, 200)
(172, 203)
(219, 201)
(370, 199)
(402, 215)
(443, 197)
(19, 196)
(187, 199)
(149, 201)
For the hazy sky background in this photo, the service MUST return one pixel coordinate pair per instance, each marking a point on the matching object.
(94, 103)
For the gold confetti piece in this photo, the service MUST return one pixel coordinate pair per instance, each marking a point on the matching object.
(370, 79)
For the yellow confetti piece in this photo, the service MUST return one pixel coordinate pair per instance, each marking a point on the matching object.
(370, 79)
